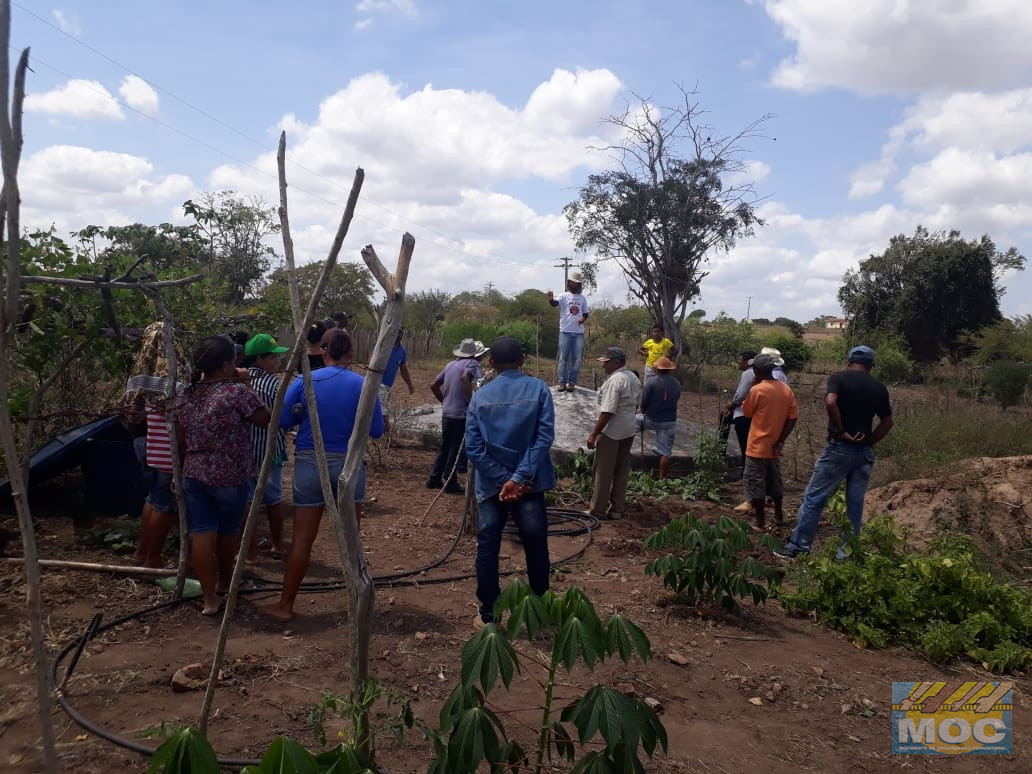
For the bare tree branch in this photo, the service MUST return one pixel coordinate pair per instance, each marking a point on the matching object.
(10, 202)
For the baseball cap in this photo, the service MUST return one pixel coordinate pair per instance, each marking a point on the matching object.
(612, 353)
(506, 349)
(861, 354)
(263, 344)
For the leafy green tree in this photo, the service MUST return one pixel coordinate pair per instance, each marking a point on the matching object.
(795, 328)
(622, 323)
(930, 289)
(1007, 381)
(235, 230)
(669, 206)
(796, 352)
(168, 250)
(530, 305)
(350, 289)
(424, 312)
(1008, 339)
(717, 342)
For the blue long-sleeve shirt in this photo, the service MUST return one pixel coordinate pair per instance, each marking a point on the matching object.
(336, 394)
(510, 427)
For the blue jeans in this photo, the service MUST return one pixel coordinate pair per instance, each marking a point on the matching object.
(840, 461)
(532, 522)
(571, 350)
(452, 453)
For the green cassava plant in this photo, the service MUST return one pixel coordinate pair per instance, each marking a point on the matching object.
(601, 731)
(939, 601)
(706, 568)
(188, 752)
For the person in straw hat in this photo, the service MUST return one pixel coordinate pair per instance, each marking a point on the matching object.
(659, 410)
(453, 387)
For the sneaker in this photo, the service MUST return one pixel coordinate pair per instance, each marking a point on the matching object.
(788, 552)
(744, 507)
(434, 483)
(561, 388)
(454, 489)
(571, 387)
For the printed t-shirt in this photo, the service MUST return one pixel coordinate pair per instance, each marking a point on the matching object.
(572, 306)
(214, 416)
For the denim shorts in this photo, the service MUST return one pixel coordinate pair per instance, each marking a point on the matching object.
(308, 490)
(273, 494)
(665, 432)
(158, 483)
(214, 508)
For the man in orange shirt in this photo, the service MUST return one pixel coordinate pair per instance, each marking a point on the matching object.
(772, 407)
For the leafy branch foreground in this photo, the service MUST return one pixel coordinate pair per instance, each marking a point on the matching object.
(602, 730)
(940, 602)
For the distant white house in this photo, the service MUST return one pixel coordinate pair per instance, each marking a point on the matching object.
(835, 323)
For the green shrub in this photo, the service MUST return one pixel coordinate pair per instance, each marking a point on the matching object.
(1007, 381)
(796, 352)
(454, 332)
(708, 570)
(690, 488)
(940, 602)
(891, 364)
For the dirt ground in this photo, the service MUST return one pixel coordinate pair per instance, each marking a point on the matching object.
(814, 689)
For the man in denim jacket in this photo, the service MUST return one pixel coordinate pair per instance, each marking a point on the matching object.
(853, 399)
(509, 431)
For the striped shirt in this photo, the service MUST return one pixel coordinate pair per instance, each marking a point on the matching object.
(159, 449)
(266, 386)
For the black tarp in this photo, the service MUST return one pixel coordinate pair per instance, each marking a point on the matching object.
(103, 450)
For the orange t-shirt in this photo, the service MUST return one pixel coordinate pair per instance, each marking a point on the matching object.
(770, 404)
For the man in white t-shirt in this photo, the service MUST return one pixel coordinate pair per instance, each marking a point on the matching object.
(573, 312)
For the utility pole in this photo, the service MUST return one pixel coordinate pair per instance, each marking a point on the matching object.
(488, 287)
(565, 266)
(748, 309)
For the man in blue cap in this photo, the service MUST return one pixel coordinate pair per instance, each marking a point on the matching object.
(853, 399)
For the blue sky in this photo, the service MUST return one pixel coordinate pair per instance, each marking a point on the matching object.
(474, 122)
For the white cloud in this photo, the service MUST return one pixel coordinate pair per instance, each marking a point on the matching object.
(77, 98)
(75, 186)
(67, 22)
(139, 94)
(438, 163)
(363, 24)
(752, 171)
(404, 7)
(901, 46)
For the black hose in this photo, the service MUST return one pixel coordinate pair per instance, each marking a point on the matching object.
(587, 526)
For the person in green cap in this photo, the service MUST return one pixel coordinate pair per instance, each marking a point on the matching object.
(262, 360)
